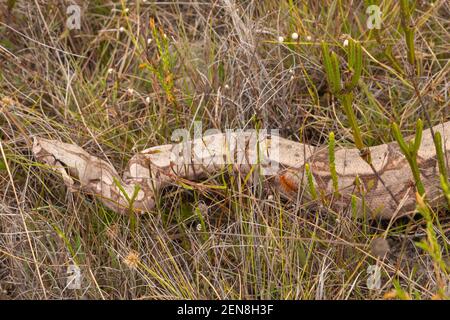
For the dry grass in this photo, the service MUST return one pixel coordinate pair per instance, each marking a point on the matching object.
(109, 89)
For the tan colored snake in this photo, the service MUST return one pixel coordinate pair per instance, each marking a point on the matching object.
(285, 160)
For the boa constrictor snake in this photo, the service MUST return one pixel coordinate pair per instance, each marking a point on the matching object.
(159, 166)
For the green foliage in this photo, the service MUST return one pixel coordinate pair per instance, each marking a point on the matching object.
(347, 101)
(332, 161)
(131, 199)
(410, 151)
(332, 70)
(445, 188)
(440, 155)
(399, 292)
(406, 11)
(331, 64)
(163, 69)
(432, 247)
(355, 62)
(312, 187)
(442, 166)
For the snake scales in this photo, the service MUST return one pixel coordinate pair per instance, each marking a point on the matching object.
(159, 166)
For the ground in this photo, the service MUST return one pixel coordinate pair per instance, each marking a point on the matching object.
(132, 72)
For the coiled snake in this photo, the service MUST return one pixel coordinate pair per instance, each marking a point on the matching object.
(387, 188)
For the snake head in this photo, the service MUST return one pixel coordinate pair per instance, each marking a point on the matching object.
(89, 174)
(61, 158)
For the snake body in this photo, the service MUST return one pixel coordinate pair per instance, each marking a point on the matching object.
(385, 190)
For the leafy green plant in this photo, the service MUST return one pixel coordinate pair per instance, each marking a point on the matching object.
(440, 155)
(355, 62)
(445, 188)
(130, 200)
(332, 163)
(398, 292)
(162, 69)
(312, 187)
(410, 151)
(406, 11)
(442, 166)
(347, 102)
(432, 247)
(331, 65)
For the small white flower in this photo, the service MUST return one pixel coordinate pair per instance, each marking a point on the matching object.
(149, 40)
(126, 10)
(227, 87)
(121, 29)
(345, 42)
(130, 91)
(165, 36)
(147, 100)
(308, 38)
(294, 36)
(280, 39)
(110, 70)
